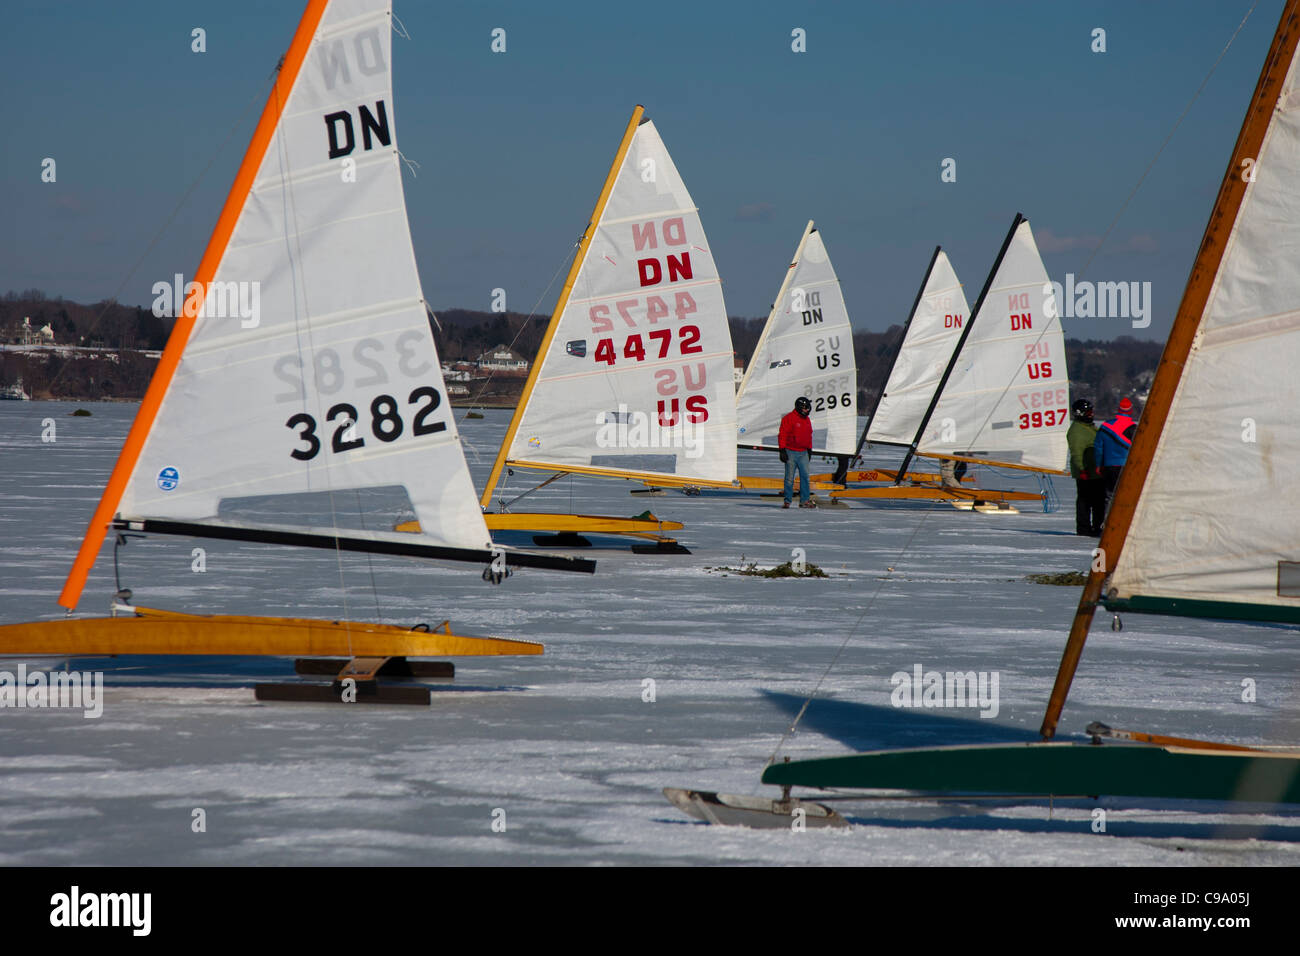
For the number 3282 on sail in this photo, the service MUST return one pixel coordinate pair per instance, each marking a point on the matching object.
(386, 419)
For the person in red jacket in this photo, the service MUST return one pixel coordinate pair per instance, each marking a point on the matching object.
(795, 439)
(1110, 447)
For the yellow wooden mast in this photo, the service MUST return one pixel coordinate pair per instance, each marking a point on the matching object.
(534, 372)
(1187, 323)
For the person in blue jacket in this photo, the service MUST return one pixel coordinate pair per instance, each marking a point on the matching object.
(1110, 447)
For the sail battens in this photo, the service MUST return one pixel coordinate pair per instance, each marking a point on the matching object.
(1244, 331)
(338, 26)
(271, 181)
(641, 217)
(356, 325)
(394, 213)
(301, 230)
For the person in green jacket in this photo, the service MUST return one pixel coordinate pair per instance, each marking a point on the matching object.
(1089, 485)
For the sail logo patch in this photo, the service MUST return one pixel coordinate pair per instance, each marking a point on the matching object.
(535, 442)
(169, 478)
(577, 348)
(781, 364)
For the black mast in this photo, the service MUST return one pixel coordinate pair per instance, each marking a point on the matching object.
(956, 353)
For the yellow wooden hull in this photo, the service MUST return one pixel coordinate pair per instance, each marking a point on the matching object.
(561, 523)
(150, 631)
(888, 474)
(935, 493)
(755, 483)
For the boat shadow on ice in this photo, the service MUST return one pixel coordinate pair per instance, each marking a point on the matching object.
(866, 727)
(216, 672)
(870, 727)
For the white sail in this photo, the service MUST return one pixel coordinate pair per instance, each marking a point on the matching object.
(638, 375)
(325, 379)
(932, 333)
(1008, 397)
(1218, 518)
(806, 349)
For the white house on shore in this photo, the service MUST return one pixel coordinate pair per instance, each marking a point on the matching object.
(30, 336)
(501, 359)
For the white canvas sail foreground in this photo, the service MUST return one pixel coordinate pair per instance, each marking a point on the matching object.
(338, 385)
(1230, 439)
(806, 349)
(932, 333)
(319, 399)
(634, 378)
(330, 385)
(1007, 397)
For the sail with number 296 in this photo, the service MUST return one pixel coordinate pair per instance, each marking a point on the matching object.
(806, 349)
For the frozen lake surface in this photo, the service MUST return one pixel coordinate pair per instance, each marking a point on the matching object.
(564, 744)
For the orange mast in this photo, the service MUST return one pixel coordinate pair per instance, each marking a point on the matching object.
(212, 256)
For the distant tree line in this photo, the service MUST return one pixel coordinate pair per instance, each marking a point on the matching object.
(1102, 371)
(105, 324)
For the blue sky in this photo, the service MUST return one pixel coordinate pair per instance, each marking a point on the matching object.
(513, 147)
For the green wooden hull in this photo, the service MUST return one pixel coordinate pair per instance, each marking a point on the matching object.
(1221, 610)
(1060, 769)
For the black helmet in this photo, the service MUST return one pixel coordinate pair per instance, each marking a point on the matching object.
(1082, 410)
(802, 405)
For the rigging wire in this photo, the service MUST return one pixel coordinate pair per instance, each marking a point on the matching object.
(852, 632)
(564, 264)
(1173, 129)
(930, 510)
(258, 97)
(302, 324)
(1141, 179)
